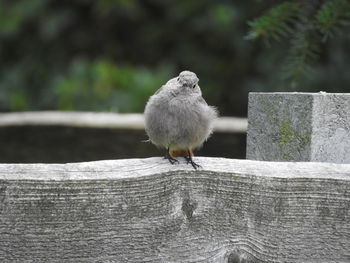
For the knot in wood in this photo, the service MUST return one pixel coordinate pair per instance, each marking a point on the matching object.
(188, 206)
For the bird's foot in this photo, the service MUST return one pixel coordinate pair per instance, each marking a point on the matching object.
(190, 160)
(171, 159)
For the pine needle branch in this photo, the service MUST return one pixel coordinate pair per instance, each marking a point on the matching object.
(303, 53)
(305, 24)
(275, 24)
(305, 46)
(331, 16)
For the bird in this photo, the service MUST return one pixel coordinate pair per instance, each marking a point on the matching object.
(178, 119)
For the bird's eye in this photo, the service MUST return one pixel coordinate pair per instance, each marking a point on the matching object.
(178, 79)
(194, 86)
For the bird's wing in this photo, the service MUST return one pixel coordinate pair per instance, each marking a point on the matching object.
(170, 83)
(174, 93)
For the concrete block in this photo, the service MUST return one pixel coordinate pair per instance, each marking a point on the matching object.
(311, 127)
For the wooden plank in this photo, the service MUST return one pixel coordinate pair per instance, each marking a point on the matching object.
(146, 210)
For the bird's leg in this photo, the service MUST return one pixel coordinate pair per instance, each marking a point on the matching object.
(169, 157)
(190, 160)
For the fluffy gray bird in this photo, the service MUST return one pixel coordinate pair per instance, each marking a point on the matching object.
(178, 118)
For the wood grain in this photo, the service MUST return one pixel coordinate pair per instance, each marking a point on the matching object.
(146, 210)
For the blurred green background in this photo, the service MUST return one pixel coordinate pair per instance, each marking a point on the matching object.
(111, 55)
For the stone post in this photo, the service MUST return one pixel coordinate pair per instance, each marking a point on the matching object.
(312, 127)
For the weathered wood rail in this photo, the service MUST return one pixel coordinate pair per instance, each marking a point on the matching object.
(146, 210)
(102, 120)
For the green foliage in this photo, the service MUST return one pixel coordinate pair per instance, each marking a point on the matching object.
(302, 54)
(305, 24)
(103, 86)
(112, 54)
(331, 16)
(13, 15)
(18, 101)
(276, 23)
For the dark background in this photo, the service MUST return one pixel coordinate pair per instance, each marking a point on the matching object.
(62, 144)
(111, 55)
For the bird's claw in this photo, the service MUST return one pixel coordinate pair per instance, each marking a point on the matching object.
(171, 159)
(190, 161)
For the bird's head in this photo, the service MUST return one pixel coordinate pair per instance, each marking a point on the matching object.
(188, 79)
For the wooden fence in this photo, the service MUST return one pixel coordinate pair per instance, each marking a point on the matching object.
(232, 211)
(146, 210)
